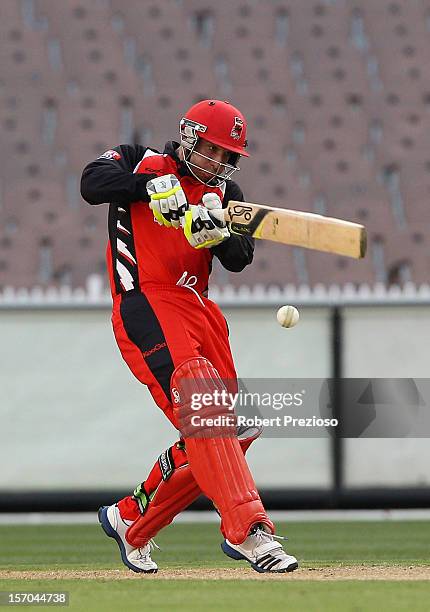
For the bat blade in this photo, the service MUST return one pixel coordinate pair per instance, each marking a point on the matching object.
(292, 227)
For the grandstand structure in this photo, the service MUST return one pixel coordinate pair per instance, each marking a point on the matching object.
(336, 92)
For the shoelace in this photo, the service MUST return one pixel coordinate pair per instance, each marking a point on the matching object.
(262, 534)
(188, 283)
(152, 546)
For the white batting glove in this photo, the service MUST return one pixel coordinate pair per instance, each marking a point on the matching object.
(168, 201)
(201, 229)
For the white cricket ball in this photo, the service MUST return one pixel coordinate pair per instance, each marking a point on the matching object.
(288, 316)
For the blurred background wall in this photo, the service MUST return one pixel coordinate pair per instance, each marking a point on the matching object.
(336, 93)
(74, 418)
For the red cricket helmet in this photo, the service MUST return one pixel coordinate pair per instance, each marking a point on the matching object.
(218, 122)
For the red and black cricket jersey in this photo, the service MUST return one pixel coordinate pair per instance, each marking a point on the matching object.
(140, 252)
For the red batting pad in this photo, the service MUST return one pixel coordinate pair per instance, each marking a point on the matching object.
(170, 498)
(214, 453)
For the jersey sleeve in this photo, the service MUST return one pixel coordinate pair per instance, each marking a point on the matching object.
(237, 251)
(111, 178)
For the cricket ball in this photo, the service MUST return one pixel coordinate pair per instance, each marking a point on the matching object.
(288, 316)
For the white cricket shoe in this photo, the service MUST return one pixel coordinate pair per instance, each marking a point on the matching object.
(263, 552)
(136, 559)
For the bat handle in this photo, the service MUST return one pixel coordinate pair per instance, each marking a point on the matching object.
(220, 213)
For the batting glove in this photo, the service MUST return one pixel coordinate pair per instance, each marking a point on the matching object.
(201, 229)
(167, 200)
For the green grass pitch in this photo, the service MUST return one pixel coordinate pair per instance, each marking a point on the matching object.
(30, 549)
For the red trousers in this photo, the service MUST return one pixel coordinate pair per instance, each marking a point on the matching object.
(160, 327)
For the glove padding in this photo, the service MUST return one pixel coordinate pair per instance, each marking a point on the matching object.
(201, 229)
(168, 201)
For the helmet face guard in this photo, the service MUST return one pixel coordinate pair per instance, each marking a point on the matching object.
(189, 139)
(221, 124)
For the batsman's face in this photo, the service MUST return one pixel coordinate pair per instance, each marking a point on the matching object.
(208, 157)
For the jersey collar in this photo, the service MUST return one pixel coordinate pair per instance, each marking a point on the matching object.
(171, 148)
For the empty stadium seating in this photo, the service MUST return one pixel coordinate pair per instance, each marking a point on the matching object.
(336, 93)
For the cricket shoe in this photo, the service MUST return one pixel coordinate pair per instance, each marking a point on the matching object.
(263, 552)
(136, 559)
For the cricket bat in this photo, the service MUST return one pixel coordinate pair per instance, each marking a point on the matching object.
(296, 228)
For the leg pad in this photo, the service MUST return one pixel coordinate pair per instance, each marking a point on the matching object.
(214, 453)
(171, 497)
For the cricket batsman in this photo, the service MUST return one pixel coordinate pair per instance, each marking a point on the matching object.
(162, 239)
